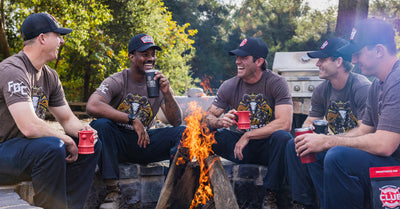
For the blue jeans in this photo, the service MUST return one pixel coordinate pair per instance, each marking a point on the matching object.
(346, 181)
(299, 178)
(340, 177)
(268, 152)
(120, 145)
(42, 160)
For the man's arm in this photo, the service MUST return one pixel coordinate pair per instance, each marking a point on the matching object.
(380, 142)
(33, 127)
(171, 109)
(67, 119)
(283, 121)
(212, 117)
(97, 106)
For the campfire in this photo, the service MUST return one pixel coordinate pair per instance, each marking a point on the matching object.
(196, 179)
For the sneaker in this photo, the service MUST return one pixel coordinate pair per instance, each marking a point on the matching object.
(270, 201)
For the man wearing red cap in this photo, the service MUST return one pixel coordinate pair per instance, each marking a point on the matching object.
(266, 95)
(375, 143)
(30, 149)
(341, 100)
(125, 114)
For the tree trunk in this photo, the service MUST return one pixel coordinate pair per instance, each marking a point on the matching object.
(5, 48)
(350, 12)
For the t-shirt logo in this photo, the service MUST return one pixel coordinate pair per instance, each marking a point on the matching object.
(243, 42)
(341, 117)
(40, 102)
(261, 112)
(139, 106)
(17, 88)
(103, 88)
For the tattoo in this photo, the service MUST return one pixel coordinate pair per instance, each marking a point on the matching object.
(173, 111)
(211, 118)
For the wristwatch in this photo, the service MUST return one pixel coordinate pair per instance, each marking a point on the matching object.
(131, 117)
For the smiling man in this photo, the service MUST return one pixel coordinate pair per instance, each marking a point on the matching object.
(125, 114)
(341, 100)
(266, 95)
(30, 149)
(375, 142)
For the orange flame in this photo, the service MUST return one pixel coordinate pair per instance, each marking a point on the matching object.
(198, 138)
(206, 84)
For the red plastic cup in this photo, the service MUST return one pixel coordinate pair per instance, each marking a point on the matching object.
(310, 158)
(86, 142)
(243, 119)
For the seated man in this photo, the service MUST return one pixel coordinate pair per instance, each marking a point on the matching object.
(375, 143)
(341, 99)
(125, 113)
(266, 95)
(30, 149)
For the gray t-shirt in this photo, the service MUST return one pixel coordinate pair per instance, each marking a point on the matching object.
(342, 108)
(383, 104)
(21, 82)
(259, 98)
(125, 95)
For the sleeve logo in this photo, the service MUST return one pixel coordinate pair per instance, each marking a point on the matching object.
(15, 88)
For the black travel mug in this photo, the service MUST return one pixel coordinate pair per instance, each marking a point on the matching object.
(152, 85)
(321, 126)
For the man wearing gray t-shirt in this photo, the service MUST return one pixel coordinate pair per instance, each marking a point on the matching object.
(266, 96)
(30, 149)
(341, 100)
(375, 143)
(125, 113)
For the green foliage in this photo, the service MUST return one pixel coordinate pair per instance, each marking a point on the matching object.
(98, 45)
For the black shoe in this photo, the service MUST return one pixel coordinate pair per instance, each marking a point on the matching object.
(270, 201)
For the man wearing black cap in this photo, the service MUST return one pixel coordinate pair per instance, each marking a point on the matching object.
(375, 143)
(341, 100)
(266, 95)
(30, 149)
(125, 114)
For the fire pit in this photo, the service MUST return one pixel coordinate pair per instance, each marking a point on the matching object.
(196, 179)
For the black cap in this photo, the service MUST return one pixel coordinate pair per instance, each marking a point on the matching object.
(141, 42)
(38, 23)
(251, 46)
(330, 49)
(369, 32)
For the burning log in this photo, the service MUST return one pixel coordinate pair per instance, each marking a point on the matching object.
(195, 176)
(182, 182)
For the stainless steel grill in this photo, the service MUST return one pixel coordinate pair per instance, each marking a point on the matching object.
(302, 76)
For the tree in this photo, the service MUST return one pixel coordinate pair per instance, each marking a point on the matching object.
(349, 13)
(92, 51)
(210, 19)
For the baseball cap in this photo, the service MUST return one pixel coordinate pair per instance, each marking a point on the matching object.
(141, 42)
(369, 32)
(330, 49)
(251, 46)
(38, 23)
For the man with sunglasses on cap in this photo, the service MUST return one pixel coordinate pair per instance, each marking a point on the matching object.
(266, 95)
(125, 114)
(375, 143)
(30, 149)
(341, 100)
